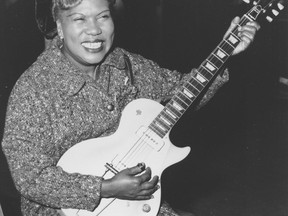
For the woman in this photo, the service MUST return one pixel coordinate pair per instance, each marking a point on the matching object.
(76, 90)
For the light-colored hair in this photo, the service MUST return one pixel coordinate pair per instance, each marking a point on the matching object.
(58, 5)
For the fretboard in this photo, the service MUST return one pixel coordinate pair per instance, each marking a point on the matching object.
(189, 92)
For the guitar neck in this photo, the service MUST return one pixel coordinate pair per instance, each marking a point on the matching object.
(206, 72)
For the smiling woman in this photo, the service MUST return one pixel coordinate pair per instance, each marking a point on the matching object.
(76, 90)
(87, 29)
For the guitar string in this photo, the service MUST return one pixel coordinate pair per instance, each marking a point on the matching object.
(118, 165)
(132, 151)
(142, 142)
(140, 153)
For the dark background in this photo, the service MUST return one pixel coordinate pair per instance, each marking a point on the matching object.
(238, 163)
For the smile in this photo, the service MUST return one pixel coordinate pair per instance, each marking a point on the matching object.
(92, 45)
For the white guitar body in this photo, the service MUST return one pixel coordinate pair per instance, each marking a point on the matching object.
(131, 144)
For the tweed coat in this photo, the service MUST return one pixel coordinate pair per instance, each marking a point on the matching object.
(55, 105)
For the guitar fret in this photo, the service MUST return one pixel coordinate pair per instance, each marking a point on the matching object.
(192, 87)
(183, 98)
(222, 54)
(216, 60)
(227, 47)
(212, 65)
(235, 35)
(157, 130)
(238, 26)
(200, 79)
(208, 67)
(188, 93)
(164, 120)
(177, 106)
(179, 102)
(218, 57)
(168, 116)
(173, 109)
(160, 124)
(228, 43)
(248, 17)
(171, 113)
(205, 72)
(233, 39)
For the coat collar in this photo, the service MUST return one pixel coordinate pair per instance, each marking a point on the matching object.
(73, 79)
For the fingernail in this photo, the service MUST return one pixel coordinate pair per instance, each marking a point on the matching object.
(141, 166)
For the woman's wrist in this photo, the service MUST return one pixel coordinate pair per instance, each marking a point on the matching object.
(106, 189)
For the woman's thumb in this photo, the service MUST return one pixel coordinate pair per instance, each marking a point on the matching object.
(140, 167)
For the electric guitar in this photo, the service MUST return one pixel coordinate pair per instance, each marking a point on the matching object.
(144, 132)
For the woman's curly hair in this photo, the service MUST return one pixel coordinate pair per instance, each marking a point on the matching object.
(58, 5)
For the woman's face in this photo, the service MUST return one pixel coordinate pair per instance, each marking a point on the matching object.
(88, 32)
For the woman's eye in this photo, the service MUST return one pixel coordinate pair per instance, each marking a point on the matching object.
(105, 16)
(79, 19)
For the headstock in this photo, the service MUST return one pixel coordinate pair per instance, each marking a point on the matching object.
(270, 8)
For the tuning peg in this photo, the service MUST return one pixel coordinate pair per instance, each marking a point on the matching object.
(269, 19)
(275, 12)
(280, 6)
(247, 1)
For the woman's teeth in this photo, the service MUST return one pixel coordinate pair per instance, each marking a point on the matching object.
(94, 45)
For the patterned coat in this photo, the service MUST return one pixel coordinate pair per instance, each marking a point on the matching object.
(54, 105)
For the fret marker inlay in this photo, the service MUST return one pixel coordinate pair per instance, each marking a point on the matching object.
(200, 78)
(221, 54)
(171, 114)
(165, 120)
(189, 94)
(160, 126)
(232, 39)
(209, 66)
(177, 106)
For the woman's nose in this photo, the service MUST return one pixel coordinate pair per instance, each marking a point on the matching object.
(93, 28)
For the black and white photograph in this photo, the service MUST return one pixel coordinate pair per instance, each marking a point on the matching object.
(144, 108)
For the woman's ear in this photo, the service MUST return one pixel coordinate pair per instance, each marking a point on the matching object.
(59, 29)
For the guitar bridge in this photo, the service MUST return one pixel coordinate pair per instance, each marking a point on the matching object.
(110, 168)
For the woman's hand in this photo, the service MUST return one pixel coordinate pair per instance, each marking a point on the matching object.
(134, 183)
(246, 34)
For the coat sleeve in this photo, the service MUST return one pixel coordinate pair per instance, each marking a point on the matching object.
(32, 155)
